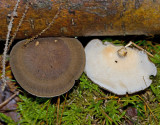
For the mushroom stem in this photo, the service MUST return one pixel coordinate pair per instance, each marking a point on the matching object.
(122, 52)
(132, 43)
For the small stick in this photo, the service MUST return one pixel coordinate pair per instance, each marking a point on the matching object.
(129, 44)
(7, 100)
(132, 43)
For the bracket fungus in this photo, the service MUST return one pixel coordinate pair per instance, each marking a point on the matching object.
(118, 69)
(47, 67)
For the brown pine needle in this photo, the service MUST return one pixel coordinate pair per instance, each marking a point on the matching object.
(107, 116)
(109, 97)
(148, 108)
(58, 103)
(104, 122)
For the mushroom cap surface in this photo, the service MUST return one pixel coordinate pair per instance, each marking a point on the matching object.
(120, 75)
(47, 67)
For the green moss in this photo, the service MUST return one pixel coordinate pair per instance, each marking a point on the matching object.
(6, 119)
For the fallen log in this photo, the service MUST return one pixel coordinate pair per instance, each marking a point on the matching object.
(83, 17)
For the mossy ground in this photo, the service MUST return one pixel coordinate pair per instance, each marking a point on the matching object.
(87, 104)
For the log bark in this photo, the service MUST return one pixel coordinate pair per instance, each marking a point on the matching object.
(83, 17)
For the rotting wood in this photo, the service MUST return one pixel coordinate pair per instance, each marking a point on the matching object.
(83, 17)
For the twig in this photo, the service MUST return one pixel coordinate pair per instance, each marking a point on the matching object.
(129, 44)
(6, 47)
(132, 43)
(8, 110)
(7, 100)
(19, 25)
(44, 30)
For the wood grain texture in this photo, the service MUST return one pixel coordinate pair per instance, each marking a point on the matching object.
(83, 17)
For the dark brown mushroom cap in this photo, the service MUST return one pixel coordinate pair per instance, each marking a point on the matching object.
(47, 67)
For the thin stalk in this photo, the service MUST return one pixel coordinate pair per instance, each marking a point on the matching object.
(19, 25)
(132, 43)
(6, 46)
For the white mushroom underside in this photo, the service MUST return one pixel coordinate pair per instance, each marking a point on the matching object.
(119, 75)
